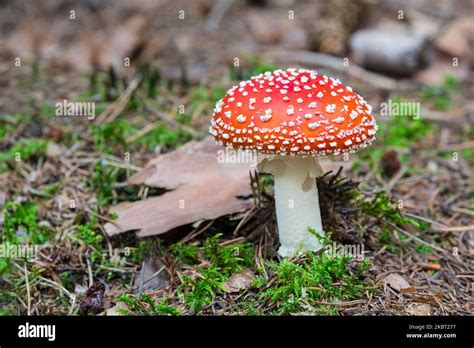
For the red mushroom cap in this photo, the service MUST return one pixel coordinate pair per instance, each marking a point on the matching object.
(293, 112)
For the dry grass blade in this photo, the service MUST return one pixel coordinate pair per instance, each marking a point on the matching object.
(114, 109)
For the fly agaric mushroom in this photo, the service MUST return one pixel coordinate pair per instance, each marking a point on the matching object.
(293, 117)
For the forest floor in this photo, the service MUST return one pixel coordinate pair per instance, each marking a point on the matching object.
(411, 210)
(406, 203)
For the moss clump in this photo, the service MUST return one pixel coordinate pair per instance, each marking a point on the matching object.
(299, 286)
(145, 305)
(24, 149)
(8, 303)
(185, 253)
(223, 261)
(21, 224)
(441, 95)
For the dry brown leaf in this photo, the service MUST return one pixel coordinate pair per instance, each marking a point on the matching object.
(152, 277)
(441, 66)
(203, 189)
(458, 38)
(239, 281)
(54, 150)
(419, 309)
(396, 281)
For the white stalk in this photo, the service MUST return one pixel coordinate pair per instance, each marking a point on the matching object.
(296, 202)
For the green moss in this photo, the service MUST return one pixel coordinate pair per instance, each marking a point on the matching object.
(145, 305)
(24, 149)
(224, 261)
(293, 286)
(8, 124)
(67, 280)
(51, 189)
(424, 249)
(103, 180)
(21, 227)
(382, 207)
(88, 234)
(5, 265)
(204, 94)
(466, 154)
(220, 263)
(404, 131)
(200, 292)
(318, 278)
(229, 259)
(112, 137)
(400, 131)
(107, 136)
(21, 224)
(8, 303)
(163, 136)
(249, 307)
(185, 253)
(441, 95)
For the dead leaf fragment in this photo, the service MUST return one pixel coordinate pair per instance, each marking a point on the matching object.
(153, 276)
(239, 281)
(396, 281)
(419, 309)
(442, 65)
(54, 150)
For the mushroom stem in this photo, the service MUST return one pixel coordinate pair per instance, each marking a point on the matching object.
(297, 203)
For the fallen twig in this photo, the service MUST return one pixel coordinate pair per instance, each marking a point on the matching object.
(455, 228)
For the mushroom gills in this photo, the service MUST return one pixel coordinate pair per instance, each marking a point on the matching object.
(297, 203)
